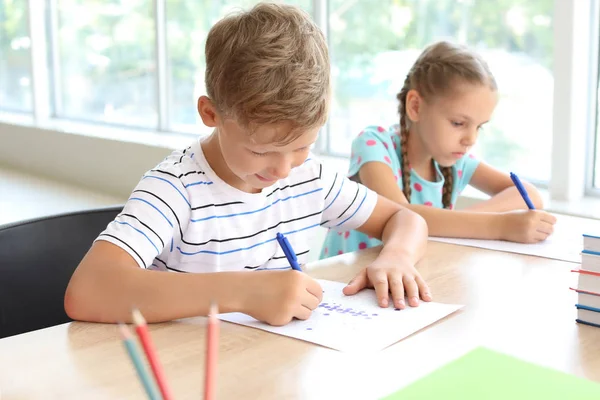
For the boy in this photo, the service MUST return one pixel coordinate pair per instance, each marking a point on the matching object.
(216, 207)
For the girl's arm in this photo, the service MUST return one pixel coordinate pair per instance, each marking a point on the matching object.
(441, 222)
(504, 194)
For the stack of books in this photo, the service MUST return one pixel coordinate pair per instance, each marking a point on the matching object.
(588, 283)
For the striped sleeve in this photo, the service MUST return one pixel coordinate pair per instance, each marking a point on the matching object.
(154, 217)
(347, 204)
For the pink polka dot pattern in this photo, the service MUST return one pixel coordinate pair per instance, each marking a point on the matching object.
(428, 204)
(387, 160)
(380, 129)
(362, 245)
(371, 142)
(417, 186)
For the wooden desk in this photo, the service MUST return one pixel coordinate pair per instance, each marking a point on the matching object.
(517, 304)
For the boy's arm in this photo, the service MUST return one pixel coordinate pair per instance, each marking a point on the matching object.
(404, 236)
(403, 232)
(108, 283)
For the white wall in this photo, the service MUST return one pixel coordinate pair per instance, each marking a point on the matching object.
(107, 165)
(111, 160)
(106, 159)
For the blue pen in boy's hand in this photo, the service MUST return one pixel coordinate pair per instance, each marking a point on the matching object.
(289, 252)
(522, 190)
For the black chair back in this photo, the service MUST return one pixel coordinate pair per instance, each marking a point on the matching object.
(37, 259)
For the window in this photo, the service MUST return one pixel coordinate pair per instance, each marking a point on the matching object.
(597, 120)
(106, 62)
(140, 64)
(188, 23)
(373, 48)
(15, 57)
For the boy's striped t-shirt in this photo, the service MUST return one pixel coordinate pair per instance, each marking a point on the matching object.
(183, 217)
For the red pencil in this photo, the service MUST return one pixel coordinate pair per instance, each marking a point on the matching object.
(142, 331)
(212, 352)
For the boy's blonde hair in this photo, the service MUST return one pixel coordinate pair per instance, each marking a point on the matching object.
(269, 65)
(437, 71)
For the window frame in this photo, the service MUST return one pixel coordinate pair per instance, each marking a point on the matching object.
(570, 18)
(575, 38)
(593, 133)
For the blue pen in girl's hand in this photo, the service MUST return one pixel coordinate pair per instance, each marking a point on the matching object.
(522, 190)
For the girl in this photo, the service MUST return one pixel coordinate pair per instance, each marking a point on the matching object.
(448, 94)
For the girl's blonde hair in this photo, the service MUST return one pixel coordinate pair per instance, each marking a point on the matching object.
(436, 72)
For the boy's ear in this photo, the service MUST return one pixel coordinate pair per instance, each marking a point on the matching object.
(413, 105)
(208, 112)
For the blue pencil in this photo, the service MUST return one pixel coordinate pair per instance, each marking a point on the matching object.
(522, 190)
(134, 355)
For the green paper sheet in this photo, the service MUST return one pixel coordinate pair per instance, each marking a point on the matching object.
(484, 374)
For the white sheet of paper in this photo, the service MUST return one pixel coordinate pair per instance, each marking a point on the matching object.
(353, 323)
(566, 243)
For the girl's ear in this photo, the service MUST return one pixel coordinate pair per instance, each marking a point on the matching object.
(414, 102)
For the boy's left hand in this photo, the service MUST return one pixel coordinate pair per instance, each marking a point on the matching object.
(391, 274)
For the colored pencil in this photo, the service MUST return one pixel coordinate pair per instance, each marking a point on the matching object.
(138, 363)
(144, 335)
(212, 352)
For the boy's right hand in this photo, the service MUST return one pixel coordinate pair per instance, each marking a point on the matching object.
(526, 226)
(276, 297)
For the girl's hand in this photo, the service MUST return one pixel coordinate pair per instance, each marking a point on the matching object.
(526, 226)
(391, 274)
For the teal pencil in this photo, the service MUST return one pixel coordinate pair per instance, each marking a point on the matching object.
(134, 355)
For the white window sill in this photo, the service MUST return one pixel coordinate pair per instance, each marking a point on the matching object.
(148, 137)
(588, 206)
(102, 158)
